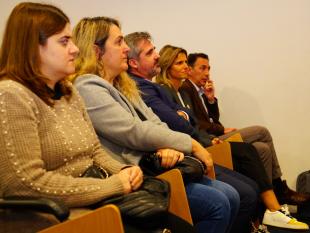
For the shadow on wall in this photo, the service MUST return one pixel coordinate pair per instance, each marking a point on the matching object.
(239, 108)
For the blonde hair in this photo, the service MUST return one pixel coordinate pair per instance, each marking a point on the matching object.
(168, 54)
(90, 32)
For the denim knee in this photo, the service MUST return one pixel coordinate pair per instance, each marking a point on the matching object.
(229, 191)
(233, 198)
(210, 208)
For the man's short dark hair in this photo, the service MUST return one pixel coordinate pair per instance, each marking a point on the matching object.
(192, 58)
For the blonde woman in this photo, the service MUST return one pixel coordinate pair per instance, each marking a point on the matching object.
(129, 130)
(174, 70)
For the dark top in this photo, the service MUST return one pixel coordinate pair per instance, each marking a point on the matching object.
(208, 121)
(166, 109)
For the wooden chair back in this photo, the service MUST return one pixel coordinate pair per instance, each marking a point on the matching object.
(221, 153)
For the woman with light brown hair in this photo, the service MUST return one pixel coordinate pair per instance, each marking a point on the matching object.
(46, 139)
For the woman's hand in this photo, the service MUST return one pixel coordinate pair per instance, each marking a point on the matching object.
(201, 153)
(216, 141)
(169, 157)
(131, 177)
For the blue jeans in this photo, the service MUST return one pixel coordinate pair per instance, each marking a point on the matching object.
(213, 205)
(248, 192)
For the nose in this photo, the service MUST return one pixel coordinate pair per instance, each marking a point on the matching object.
(186, 66)
(126, 48)
(157, 56)
(74, 49)
(186, 69)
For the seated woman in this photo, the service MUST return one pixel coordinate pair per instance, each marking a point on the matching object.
(116, 110)
(46, 139)
(174, 70)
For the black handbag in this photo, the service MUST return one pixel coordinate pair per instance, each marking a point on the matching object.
(144, 210)
(191, 168)
(145, 205)
(149, 203)
(96, 172)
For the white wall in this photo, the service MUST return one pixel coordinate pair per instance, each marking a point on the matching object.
(259, 51)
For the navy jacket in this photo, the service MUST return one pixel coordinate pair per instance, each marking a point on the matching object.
(155, 97)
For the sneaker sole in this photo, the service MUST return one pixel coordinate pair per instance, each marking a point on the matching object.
(271, 227)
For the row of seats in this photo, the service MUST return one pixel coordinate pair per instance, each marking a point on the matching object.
(19, 215)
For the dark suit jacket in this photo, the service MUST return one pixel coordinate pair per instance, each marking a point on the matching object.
(155, 97)
(215, 127)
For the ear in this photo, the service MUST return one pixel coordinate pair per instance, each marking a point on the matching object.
(98, 51)
(133, 63)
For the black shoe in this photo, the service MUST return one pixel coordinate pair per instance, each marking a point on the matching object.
(288, 196)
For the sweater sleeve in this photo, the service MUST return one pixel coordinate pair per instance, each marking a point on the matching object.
(112, 121)
(23, 171)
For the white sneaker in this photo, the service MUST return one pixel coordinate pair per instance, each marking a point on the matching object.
(283, 219)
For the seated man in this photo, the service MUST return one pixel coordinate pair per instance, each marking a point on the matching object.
(200, 89)
(142, 71)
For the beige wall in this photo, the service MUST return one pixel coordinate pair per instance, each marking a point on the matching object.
(259, 51)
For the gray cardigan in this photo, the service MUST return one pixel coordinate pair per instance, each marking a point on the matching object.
(120, 130)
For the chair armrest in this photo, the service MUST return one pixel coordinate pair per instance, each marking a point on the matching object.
(221, 154)
(234, 138)
(178, 199)
(55, 207)
(103, 219)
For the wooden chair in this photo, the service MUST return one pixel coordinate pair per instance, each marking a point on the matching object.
(104, 219)
(221, 153)
(178, 199)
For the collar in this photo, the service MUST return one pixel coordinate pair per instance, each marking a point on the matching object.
(198, 89)
(138, 77)
(56, 93)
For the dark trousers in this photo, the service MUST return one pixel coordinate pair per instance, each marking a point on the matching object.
(247, 162)
(248, 192)
(171, 222)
